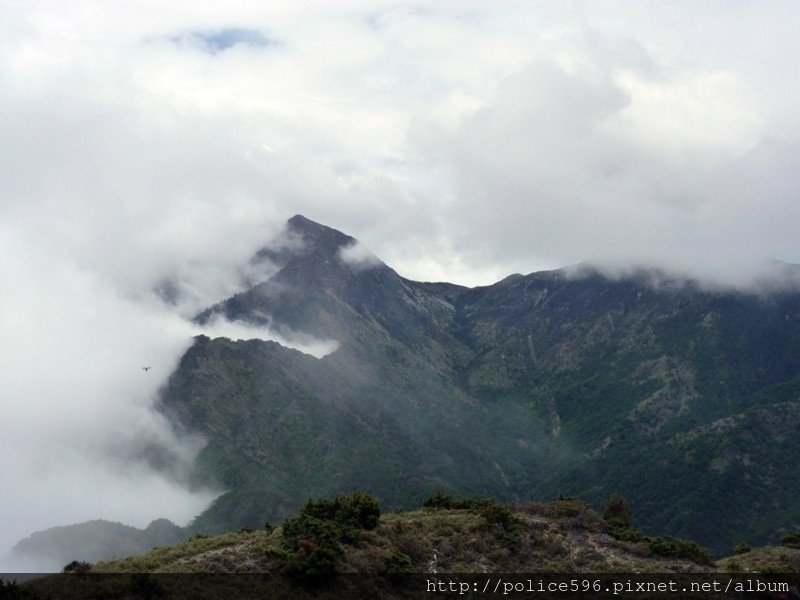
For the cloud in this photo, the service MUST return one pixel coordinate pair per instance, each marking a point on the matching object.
(631, 113)
(81, 428)
(240, 330)
(77, 403)
(672, 172)
(358, 256)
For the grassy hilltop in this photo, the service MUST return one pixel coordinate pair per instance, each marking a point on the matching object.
(448, 535)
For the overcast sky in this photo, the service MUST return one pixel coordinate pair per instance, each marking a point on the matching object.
(145, 141)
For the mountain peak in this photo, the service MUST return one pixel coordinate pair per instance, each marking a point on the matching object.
(300, 221)
(306, 238)
(311, 230)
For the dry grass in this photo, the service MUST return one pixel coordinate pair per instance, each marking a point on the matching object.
(767, 559)
(561, 536)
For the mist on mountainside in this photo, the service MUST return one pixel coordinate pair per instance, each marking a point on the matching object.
(82, 403)
(554, 382)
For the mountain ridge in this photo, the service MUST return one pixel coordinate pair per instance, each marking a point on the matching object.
(684, 399)
(91, 541)
(572, 369)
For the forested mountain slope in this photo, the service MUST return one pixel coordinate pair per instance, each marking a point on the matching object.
(683, 399)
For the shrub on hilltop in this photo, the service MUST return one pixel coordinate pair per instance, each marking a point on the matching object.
(311, 542)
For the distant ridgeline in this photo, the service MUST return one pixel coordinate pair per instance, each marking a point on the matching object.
(685, 401)
(92, 541)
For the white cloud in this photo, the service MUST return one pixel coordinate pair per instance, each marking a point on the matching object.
(358, 256)
(77, 402)
(561, 167)
(237, 330)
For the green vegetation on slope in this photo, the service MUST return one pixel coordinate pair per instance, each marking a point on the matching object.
(345, 535)
(684, 400)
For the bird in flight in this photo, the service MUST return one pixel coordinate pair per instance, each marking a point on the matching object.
(147, 368)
